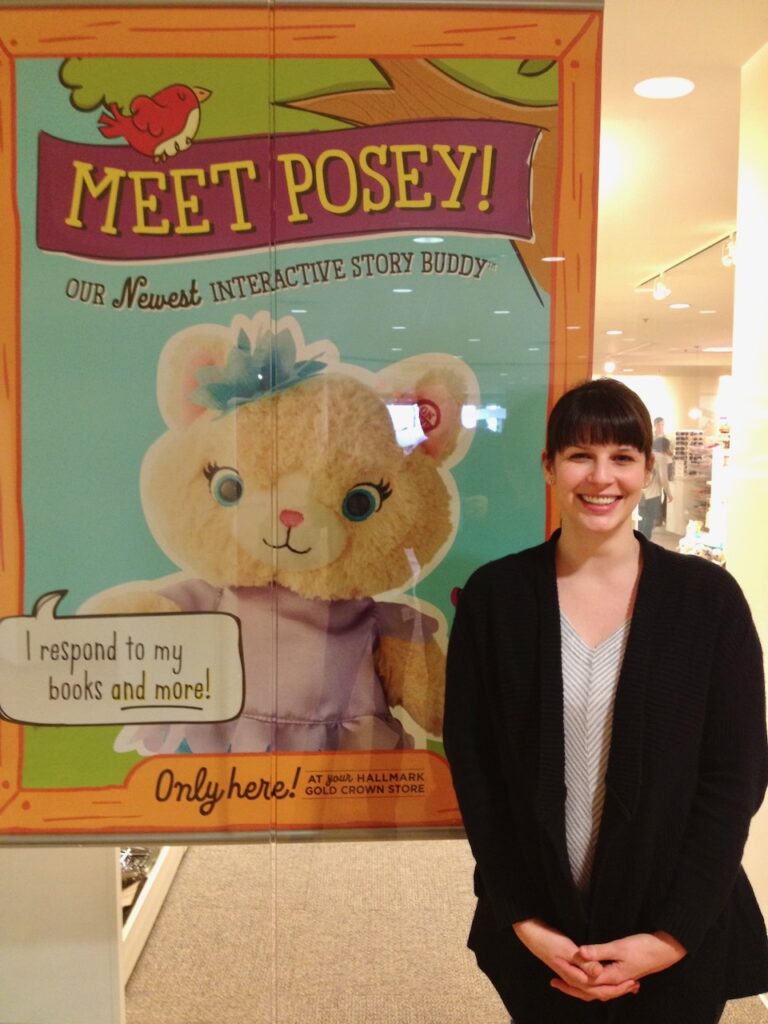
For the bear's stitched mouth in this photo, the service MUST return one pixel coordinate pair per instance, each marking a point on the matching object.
(287, 544)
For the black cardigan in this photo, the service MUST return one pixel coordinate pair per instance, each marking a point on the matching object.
(688, 768)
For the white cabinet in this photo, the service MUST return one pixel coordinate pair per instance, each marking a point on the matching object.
(60, 940)
(65, 954)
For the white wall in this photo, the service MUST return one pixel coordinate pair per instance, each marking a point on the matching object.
(748, 503)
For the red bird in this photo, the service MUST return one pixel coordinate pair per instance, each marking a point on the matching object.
(161, 125)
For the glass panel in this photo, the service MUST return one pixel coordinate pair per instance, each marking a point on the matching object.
(282, 302)
(291, 310)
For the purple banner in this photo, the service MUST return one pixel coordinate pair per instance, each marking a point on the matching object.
(112, 203)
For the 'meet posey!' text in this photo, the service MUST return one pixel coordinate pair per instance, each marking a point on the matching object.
(109, 202)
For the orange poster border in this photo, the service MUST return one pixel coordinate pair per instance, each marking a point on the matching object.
(571, 37)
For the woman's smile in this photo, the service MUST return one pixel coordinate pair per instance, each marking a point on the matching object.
(599, 501)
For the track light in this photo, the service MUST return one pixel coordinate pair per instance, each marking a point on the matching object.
(728, 255)
(660, 289)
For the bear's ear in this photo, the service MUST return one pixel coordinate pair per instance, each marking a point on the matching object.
(440, 385)
(184, 354)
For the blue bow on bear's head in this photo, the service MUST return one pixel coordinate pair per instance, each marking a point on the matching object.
(251, 373)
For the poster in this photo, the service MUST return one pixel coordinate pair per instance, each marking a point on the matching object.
(289, 293)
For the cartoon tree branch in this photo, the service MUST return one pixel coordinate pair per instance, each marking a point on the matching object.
(418, 89)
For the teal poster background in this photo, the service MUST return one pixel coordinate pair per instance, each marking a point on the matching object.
(89, 403)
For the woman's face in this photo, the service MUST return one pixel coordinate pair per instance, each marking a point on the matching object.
(598, 486)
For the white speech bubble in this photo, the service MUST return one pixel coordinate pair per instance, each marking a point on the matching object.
(119, 669)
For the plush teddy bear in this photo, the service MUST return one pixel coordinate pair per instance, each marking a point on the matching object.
(290, 489)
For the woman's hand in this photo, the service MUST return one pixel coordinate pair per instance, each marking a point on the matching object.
(576, 974)
(634, 956)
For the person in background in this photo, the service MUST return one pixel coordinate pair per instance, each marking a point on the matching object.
(605, 728)
(661, 443)
(658, 493)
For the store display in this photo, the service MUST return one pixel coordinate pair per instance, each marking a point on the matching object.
(702, 492)
(698, 541)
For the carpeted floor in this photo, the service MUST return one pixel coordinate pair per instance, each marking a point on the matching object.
(322, 933)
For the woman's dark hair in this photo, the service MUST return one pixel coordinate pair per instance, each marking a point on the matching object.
(602, 411)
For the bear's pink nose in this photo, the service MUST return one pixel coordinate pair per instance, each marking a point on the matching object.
(289, 518)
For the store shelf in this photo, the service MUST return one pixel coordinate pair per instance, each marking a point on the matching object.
(148, 905)
(688, 451)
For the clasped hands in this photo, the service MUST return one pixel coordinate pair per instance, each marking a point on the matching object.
(600, 971)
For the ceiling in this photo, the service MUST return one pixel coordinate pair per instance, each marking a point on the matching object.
(668, 171)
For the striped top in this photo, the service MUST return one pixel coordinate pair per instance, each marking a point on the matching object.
(590, 678)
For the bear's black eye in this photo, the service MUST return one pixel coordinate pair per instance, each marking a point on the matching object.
(362, 500)
(226, 485)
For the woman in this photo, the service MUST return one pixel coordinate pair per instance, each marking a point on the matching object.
(605, 726)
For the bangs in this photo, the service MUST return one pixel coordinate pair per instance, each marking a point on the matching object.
(608, 428)
(602, 411)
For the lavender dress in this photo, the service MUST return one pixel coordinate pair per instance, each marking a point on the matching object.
(310, 682)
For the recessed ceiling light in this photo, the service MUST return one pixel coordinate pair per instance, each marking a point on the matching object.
(428, 239)
(679, 305)
(502, 312)
(398, 327)
(298, 311)
(553, 259)
(718, 348)
(609, 366)
(628, 369)
(394, 349)
(402, 291)
(573, 327)
(664, 88)
(533, 350)
(614, 332)
(707, 312)
(473, 340)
